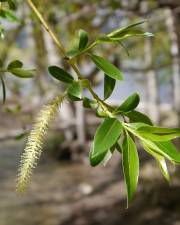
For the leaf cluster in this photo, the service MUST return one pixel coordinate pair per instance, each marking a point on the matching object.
(121, 126)
(6, 12)
(115, 133)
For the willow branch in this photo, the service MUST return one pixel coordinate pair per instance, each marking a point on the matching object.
(58, 43)
(46, 26)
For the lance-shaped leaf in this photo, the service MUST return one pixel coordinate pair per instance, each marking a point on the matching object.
(156, 137)
(21, 73)
(158, 133)
(135, 126)
(136, 116)
(160, 161)
(60, 74)
(83, 39)
(129, 104)
(108, 68)
(159, 130)
(104, 39)
(164, 148)
(130, 162)
(131, 33)
(109, 85)
(123, 29)
(145, 131)
(75, 91)
(106, 136)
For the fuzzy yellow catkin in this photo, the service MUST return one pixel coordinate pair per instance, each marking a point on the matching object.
(34, 144)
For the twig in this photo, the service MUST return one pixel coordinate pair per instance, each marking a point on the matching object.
(71, 62)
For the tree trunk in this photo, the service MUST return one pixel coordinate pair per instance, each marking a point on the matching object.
(177, 29)
(152, 84)
(175, 60)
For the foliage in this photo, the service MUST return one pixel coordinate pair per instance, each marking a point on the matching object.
(14, 68)
(7, 13)
(121, 125)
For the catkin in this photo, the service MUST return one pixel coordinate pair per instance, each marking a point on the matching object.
(34, 143)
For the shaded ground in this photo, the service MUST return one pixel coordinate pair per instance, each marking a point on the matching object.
(75, 194)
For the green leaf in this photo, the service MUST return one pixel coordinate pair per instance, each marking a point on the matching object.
(163, 167)
(160, 160)
(109, 85)
(159, 130)
(104, 39)
(158, 133)
(108, 68)
(136, 116)
(7, 14)
(169, 149)
(15, 64)
(3, 90)
(164, 148)
(129, 104)
(156, 137)
(130, 162)
(131, 33)
(117, 39)
(94, 161)
(89, 103)
(61, 74)
(142, 131)
(12, 4)
(75, 91)
(21, 73)
(119, 31)
(106, 136)
(83, 39)
(135, 126)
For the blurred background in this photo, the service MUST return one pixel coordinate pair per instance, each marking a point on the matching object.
(65, 190)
